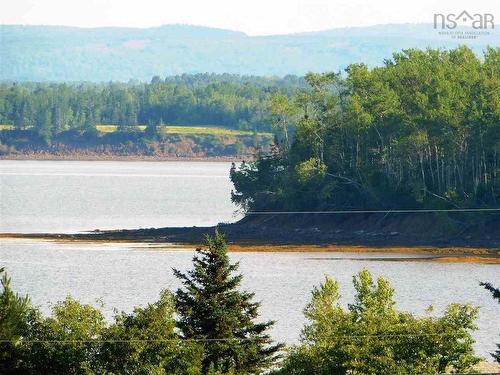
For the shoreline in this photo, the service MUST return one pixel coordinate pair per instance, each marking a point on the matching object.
(110, 157)
(442, 254)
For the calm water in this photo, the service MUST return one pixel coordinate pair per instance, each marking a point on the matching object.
(75, 196)
(126, 275)
(72, 196)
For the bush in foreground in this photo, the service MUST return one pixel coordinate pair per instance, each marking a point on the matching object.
(372, 337)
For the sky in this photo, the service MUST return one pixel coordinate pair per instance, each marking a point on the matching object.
(254, 17)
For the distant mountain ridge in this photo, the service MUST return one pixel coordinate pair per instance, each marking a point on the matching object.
(61, 53)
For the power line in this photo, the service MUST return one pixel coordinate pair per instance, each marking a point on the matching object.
(126, 341)
(397, 211)
(234, 339)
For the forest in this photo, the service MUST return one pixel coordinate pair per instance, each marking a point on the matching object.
(210, 326)
(64, 117)
(423, 130)
(225, 100)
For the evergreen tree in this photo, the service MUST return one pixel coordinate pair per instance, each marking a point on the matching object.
(15, 313)
(496, 295)
(212, 310)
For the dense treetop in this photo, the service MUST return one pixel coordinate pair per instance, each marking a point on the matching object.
(226, 100)
(421, 131)
(372, 337)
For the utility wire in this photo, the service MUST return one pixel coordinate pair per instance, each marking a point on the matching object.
(235, 339)
(397, 211)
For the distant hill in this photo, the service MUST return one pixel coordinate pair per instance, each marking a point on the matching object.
(57, 53)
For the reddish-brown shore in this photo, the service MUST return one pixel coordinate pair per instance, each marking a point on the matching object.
(454, 238)
(115, 157)
(192, 238)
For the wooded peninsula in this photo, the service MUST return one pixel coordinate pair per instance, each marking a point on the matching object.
(420, 132)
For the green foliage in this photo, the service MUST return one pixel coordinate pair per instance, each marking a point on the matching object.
(283, 115)
(372, 337)
(145, 342)
(212, 310)
(218, 333)
(96, 116)
(207, 328)
(309, 170)
(495, 292)
(75, 339)
(13, 308)
(68, 340)
(230, 101)
(15, 315)
(420, 131)
(257, 182)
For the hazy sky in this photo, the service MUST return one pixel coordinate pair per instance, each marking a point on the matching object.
(255, 17)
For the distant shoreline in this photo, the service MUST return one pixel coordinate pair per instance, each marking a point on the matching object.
(79, 157)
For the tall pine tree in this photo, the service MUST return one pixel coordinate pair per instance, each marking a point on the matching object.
(212, 310)
(15, 315)
(496, 295)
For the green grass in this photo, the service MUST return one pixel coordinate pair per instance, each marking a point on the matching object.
(203, 130)
(185, 130)
(173, 129)
(113, 128)
(106, 128)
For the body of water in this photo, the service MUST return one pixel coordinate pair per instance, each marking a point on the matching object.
(55, 196)
(73, 196)
(126, 275)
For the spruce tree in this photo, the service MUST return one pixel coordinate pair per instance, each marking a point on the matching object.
(496, 295)
(220, 317)
(15, 317)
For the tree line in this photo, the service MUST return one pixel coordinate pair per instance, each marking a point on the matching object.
(210, 326)
(423, 130)
(232, 101)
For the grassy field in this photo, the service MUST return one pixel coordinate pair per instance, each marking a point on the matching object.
(204, 130)
(184, 130)
(172, 129)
